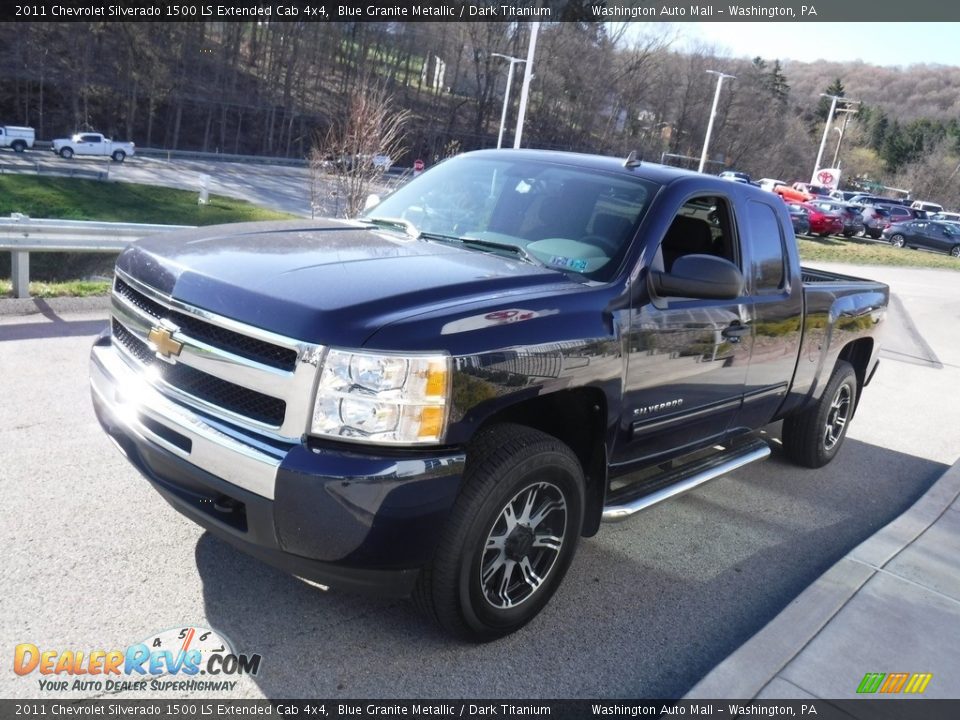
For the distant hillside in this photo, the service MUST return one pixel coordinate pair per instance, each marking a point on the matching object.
(904, 94)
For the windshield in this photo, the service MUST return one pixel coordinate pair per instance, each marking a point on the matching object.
(566, 218)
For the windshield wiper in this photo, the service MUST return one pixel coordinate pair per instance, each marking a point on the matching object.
(517, 250)
(388, 222)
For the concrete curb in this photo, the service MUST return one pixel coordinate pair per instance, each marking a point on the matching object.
(750, 668)
(58, 305)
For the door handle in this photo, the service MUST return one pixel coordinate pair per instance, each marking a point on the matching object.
(734, 331)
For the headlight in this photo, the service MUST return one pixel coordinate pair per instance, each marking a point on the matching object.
(367, 397)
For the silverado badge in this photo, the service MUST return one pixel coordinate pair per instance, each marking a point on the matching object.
(161, 340)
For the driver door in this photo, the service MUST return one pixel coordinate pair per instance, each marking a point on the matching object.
(687, 359)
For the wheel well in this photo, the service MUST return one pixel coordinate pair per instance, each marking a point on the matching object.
(576, 418)
(858, 354)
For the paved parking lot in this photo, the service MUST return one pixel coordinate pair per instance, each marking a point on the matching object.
(95, 559)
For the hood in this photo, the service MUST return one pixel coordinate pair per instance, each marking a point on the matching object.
(330, 282)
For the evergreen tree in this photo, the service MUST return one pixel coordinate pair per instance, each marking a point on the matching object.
(878, 130)
(835, 88)
(778, 83)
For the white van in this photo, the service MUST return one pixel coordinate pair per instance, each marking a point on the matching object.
(927, 207)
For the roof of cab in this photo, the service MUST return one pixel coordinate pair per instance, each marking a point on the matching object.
(662, 174)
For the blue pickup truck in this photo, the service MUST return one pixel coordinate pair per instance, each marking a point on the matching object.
(440, 398)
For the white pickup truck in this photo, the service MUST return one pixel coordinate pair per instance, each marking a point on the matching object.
(92, 144)
(16, 138)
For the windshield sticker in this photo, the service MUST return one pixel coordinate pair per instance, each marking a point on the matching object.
(576, 264)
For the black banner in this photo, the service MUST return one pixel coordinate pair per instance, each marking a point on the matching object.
(874, 709)
(487, 10)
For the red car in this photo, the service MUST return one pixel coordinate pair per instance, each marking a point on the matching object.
(823, 223)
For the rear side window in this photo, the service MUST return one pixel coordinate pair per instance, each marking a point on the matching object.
(767, 249)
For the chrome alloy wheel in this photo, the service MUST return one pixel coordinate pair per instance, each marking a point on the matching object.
(523, 545)
(837, 417)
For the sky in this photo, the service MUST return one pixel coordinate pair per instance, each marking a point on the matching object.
(875, 43)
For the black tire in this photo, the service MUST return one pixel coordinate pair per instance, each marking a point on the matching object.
(897, 240)
(66, 153)
(955, 251)
(813, 437)
(848, 233)
(118, 155)
(478, 589)
(18, 146)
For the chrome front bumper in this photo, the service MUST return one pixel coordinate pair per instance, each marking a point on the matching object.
(135, 405)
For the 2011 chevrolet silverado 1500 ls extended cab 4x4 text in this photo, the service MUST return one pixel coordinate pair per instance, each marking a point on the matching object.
(442, 397)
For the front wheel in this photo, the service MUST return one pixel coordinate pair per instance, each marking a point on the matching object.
(510, 537)
(813, 437)
(955, 251)
(118, 156)
(66, 153)
(897, 241)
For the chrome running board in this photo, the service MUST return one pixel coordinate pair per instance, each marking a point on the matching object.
(627, 502)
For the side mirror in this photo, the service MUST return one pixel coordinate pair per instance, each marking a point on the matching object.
(372, 201)
(705, 277)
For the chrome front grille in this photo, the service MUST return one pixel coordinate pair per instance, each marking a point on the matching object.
(243, 374)
(212, 390)
(242, 345)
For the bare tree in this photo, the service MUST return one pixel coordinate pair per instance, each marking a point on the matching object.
(359, 147)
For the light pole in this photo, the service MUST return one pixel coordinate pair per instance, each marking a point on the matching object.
(713, 114)
(506, 94)
(527, 77)
(826, 129)
(848, 112)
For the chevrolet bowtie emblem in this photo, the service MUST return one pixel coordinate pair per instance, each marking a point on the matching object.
(161, 340)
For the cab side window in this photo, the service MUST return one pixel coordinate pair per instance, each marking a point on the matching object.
(768, 252)
(701, 227)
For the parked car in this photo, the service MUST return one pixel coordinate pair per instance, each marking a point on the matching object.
(927, 207)
(876, 219)
(800, 218)
(868, 199)
(823, 222)
(852, 219)
(843, 195)
(769, 184)
(789, 194)
(849, 214)
(899, 213)
(945, 216)
(927, 234)
(94, 144)
(815, 190)
(736, 176)
(441, 398)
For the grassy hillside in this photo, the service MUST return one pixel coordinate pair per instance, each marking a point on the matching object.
(68, 199)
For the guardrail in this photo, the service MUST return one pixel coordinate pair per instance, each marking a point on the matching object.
(21, 235)
(63, 170)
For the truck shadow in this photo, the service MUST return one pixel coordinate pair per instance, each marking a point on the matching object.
(54, 326)
(59, 329)
(647, 609)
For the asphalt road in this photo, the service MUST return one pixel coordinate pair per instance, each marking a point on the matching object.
(278, 187)
(95, 559)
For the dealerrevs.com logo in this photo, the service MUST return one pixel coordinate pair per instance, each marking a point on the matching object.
(180, 659)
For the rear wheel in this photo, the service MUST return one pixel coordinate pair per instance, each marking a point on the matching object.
(510, 537)
(18, 146)
(813, 437)
(66, 153)
(897, 240)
